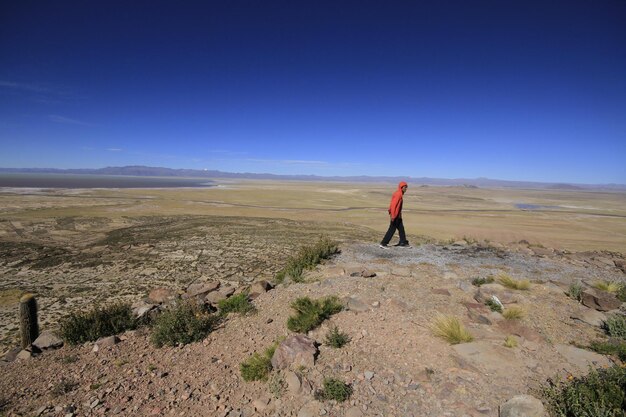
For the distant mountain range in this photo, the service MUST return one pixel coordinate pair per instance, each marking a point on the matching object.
(144, 171)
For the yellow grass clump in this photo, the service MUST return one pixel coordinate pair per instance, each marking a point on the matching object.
(607, 286)
(514, 313)
(450, 329)
(510, 342)
(514, 284)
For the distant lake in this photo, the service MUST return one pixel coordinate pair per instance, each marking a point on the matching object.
(524, 206)
(35, 180)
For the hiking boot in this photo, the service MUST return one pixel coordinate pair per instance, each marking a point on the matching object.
(383, 246)
(404, 244)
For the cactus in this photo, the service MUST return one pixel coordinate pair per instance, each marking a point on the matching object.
(29, 327)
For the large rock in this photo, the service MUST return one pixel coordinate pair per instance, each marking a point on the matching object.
(592, 317)
(484, 355)
(161, 295)
(214, 298)
(599, 300)
(513, 327)
(354, 304)
(522, 406)
(294, 351)
(259, 288)
(202, 288)
(582, 358)
(48, 340)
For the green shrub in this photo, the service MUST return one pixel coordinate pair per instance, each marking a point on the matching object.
(101, 321)
(336, 339)
(258, 367)
(621, 293)
(601, 393)
(239, 303)
(575, 290)
(451, 329)
(307, 258)
(615, 347)
(480, 281)
(187, 322)
(311, 313)
(493, 305)
(615, 326)
(334, 389)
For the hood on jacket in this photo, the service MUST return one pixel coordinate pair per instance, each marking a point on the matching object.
(402, 184)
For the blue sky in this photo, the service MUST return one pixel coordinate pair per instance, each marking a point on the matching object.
(519, 90)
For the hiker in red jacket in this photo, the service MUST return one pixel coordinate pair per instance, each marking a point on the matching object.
(395, 214)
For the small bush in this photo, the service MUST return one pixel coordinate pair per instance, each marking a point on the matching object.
(239, 303)
(258, 367)
(615, 326)
(615, 347)
(101, 321)
(334, 389)
(621, 294)
(277, 384)
(184, 323)
(575, 290)
(307, 258)
(311, 313)
(451, 329)
(612, 287)
(480, 281)
(601, 393)
(336, 339)
(510, 342)
(514, 313)
(63, 387)
(513, 284)
(493, 305)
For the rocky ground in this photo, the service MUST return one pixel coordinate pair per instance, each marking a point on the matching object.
(394, 363)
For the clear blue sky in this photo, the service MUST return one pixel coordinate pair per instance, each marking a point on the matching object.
(519, 90)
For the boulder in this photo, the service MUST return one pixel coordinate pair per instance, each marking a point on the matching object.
(24, 355)
(214, 298)
(105, 342)
(259, 288)
(620, 264)
(522, 406)
(202, 288)
(161, 295)
(294, 351)
(48, 340)
(354, 304)
(582, 358)
(496, 360)
(592, 317)
(354, 412)
(599, 300)
(293, 382)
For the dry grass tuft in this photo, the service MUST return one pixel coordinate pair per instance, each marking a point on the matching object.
(510, 342)
(612, 287)
(514, 313)
(514, 284)
(451, 329)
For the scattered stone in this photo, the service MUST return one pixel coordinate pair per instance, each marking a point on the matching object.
(144, 311)
(599, 300)
(368, 274)
(296, 350)
(48, 340)
(24, 355)
(522, 406)
(354, 304)
(227, 290)
(354, 412)
(368, 375)
(105, 342)
(215, 297)
(293, 382)
(260, 404)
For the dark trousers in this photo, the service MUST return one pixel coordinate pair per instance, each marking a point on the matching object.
(393, 225)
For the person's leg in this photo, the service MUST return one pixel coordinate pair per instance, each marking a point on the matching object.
(400, 227)
(389, 234)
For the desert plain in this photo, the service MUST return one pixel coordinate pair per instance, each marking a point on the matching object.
(75, 248)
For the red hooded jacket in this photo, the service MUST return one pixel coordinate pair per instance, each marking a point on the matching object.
(395, 207)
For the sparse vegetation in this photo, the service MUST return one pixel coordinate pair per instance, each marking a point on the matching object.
(608, 286)
(239, 303)
(99, 322)
(184, 323)
(615, 326)
(311, 313)
(451, 329)
(514, 313)
(307, 258)
(258, 366)
(513, 284)
(69, 359)
(612, 346)
(493, 305)
(621, 294)
(276, 384)
(510, 342)
(481, 281)
(575, 290)
(601, 393)
(336, 339)
(334, 389)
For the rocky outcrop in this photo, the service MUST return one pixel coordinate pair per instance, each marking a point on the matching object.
(294, 351)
